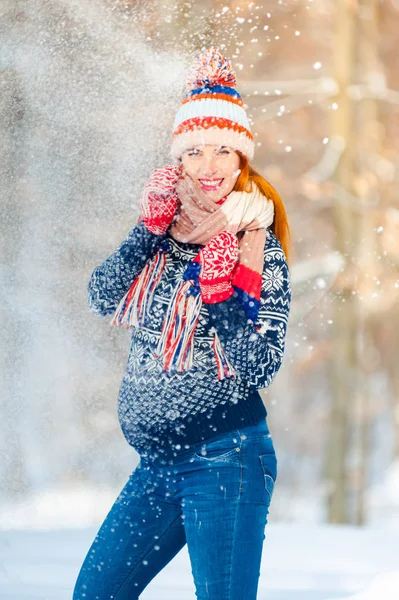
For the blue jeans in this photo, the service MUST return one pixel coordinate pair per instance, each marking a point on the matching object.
(215, 499)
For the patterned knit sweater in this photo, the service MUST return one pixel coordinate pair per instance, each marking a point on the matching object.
(163, 414)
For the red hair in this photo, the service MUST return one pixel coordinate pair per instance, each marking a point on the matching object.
(280, 225)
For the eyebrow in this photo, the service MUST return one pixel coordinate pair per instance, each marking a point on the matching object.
(218, 148)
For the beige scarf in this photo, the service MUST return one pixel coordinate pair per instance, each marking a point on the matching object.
(201, 218)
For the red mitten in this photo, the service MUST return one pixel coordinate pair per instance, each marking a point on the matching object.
(159, 199)
(218, 259)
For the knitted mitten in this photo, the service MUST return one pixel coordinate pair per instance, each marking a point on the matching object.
(218, 259)
(159, 199)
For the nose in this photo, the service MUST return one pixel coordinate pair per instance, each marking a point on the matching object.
(209, 166)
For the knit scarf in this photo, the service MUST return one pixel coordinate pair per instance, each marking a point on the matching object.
(246, 214)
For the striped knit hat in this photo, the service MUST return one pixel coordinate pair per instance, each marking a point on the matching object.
(212, 111)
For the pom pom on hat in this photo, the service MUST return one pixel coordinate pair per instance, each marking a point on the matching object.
(212, 111)
(210, 69)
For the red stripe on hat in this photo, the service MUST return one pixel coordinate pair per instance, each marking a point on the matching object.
(208, 123)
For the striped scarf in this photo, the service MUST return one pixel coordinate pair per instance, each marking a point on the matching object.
(246, 214)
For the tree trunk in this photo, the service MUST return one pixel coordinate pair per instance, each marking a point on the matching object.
(368, 146)
(343, 364)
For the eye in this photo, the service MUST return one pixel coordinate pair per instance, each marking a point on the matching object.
(193, 152)
(223, 151)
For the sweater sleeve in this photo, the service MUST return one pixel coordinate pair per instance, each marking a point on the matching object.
(256, 350)
(112, 278)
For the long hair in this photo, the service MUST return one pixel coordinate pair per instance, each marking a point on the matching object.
(280, 226)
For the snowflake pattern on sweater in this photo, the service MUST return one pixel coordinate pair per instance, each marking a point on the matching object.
(164, 414)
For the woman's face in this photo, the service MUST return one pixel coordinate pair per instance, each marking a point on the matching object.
(214, 168)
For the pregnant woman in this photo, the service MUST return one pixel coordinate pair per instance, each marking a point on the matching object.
(202, 280)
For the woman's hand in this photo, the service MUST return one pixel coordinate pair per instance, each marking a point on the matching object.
(218, 260)
(159, 200)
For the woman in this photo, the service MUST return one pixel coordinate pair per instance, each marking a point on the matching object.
(203, 280)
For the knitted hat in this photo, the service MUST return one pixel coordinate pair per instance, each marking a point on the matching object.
(212, 111)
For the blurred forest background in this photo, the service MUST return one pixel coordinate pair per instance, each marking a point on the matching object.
(88, 94)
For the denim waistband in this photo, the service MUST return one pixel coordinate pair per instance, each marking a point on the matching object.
(248, 430)
(258, 427)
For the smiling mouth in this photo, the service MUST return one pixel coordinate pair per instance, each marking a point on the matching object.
(211, 184)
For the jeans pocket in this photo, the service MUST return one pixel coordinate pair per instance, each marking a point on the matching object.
(223, 448)
(269, 465)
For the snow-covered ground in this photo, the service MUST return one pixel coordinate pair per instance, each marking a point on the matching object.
(44, 539)
(299, 563)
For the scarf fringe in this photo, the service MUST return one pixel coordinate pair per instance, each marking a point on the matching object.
(225, 368)
(176, 342)
(136, 303)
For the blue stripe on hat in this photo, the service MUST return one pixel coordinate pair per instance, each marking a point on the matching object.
(217, 89)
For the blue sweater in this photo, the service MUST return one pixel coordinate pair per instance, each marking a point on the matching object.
(164, 414)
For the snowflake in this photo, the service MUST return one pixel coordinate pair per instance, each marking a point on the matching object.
(275, 280)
